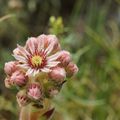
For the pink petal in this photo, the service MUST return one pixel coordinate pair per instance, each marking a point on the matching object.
(23, 50)
(25, 66)
(31, 44)
(20, 58)
(53, 57)
(41, 42)
(29, 72)
(45, 70)
(52, 63)
(49, 49)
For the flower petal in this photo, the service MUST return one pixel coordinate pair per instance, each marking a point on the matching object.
(31, 44)
(35, 72)
(53, 57)
(52, 63)
(23, 50)
(41, 42)
(29, 72)
(20, 58)
(49, 49)
(45, 70)
(24, 66)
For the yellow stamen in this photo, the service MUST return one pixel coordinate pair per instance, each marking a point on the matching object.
(36, 60)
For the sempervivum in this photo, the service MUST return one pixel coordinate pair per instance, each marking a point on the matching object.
(40, 69)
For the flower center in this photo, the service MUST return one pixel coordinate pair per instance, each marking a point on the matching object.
(36, 60)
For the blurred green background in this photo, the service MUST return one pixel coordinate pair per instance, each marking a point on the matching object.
(90, 30)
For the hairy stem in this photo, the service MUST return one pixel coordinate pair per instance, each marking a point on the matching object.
(25, 113)
(30, 112)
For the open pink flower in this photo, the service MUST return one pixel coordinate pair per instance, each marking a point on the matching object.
(39, 54)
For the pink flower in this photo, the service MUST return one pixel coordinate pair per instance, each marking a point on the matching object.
(22, 98)
(37, 55)
(10, 67)
(34, 91)
(64, 57)
(19, 78)
(57, 74)
(40, 70)
(71, 69)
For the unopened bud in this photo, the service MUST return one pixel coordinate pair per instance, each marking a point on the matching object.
(72, 69)
(34, 91)
(10, 67)
(9, 83)
(64, 57)
(53, 92)
(22, 98)
(57, 74)
(19, 78)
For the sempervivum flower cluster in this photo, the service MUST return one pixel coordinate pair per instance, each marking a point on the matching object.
(39, 70)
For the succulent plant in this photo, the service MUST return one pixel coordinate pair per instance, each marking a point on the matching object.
(39, 71)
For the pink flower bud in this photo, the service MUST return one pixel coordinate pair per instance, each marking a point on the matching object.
(64, 57)
(57, 74)
(10, 67)
(22, 98)
(71, 69)
(8, 83)
(34, 91)
(19, 78)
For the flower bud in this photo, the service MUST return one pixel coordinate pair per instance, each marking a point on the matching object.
(22, 98)
(71, 69)
(19, 78)
(53, 92)
(8, 83)
(10, 67)
(64, 57)
(34, 91)
(57, 74)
